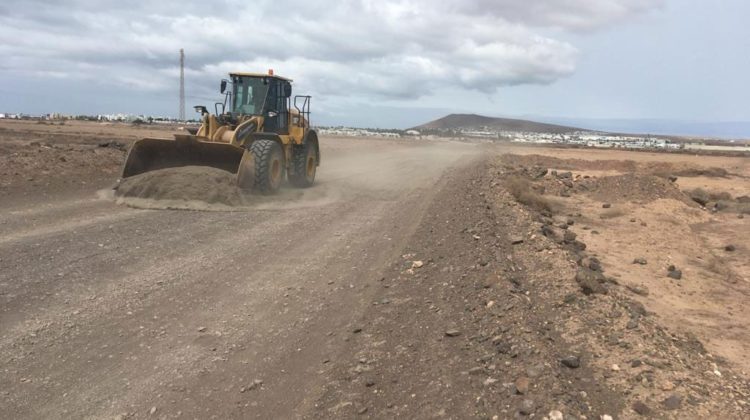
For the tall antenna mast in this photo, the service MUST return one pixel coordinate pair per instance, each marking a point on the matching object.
(182, 85)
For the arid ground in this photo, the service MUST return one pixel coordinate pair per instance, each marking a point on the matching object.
(416, 279)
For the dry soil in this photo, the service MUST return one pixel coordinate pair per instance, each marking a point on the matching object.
(409, 282)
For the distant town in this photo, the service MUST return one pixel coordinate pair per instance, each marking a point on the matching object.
(128, 118)
(578, 138)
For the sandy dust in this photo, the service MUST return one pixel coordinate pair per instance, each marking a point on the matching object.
(350, 170)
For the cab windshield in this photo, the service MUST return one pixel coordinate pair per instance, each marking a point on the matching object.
(249, 94)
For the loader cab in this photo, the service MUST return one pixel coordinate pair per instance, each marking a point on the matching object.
(263, 95)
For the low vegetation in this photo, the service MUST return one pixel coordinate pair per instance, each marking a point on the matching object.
(522, 191)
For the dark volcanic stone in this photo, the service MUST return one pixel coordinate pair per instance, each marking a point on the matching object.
(590, 281)
(674, 402)
(572, 362)
(675, 274)
(527, 407)
(642, 409)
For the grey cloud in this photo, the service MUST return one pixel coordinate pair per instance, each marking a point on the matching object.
(389, 49)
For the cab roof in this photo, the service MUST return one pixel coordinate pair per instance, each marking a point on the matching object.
(238, 73)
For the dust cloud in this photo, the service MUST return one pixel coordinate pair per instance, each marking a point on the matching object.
(350, 169)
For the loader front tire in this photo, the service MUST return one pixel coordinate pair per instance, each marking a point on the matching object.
(269, 165)
(304, 164)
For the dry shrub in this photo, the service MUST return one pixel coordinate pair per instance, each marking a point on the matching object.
(720, 196)
(612, 213)
(703, 197)
(707, 172)
(522, 191)
(699, 195)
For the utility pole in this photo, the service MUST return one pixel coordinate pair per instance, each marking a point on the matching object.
(182, 85)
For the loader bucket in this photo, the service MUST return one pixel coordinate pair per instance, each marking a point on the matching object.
(152, 154)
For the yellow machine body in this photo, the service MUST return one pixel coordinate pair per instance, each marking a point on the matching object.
(261, 110)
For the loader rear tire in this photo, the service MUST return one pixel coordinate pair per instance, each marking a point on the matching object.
(269, 165)
(304, 164)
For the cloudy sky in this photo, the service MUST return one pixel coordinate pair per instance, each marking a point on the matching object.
(387, 63)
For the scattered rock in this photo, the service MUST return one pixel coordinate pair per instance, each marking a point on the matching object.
(571, 361)
(674, 402)
(555, 415)
(730, 248)
(699, 196)
(578, 245)
(590, 262)
(537, 172)
(590, 281)
(636, 309)
(565, 175)
(515, 240)
(522, 385)
(606, 205)
(527, 407)
(675, 274)
(638, 290)
(152, 411)
(452, 333)
(417, 264)
(642, 409)
(357, 330)
(641, 261)
(554, 233)
(202, 329)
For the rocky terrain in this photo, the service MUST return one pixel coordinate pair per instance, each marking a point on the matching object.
(415, 280)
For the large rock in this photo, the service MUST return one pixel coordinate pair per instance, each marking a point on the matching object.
(554, 233)
(590, 281)
(700, 196)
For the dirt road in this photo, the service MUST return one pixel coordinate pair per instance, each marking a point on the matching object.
(415, 280)
(109, 310)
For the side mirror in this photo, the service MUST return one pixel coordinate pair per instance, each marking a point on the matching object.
(272, 114)
(201, 109)
(223, 86)
(287, 90)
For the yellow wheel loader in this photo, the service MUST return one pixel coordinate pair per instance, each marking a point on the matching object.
(260, 133)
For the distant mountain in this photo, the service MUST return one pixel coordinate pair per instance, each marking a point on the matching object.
(473, 121)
